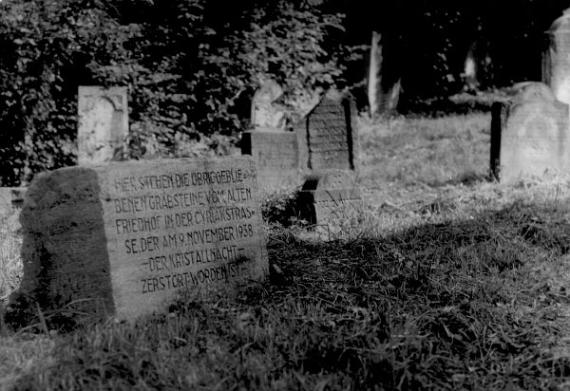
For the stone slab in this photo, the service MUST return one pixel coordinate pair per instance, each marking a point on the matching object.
(277, 156)
(127, 238)
(532, 131)
(103, 123)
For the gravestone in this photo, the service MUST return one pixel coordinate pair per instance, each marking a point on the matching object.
(103, 124)
(529, 134)
(556, 61)
(331, 201)
(277, 157)
(329, 130)
(125, 239)
(324, 141)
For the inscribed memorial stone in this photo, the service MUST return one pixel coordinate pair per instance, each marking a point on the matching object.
(103, 123)
(128, 238)
(530, 134)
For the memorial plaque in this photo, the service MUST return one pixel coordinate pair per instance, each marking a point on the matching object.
(103, 124)
(531, 134)
(131, 236)
(277, 158)
(331, 138)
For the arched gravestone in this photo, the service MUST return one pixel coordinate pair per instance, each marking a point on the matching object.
(125, 239)
(103, 123)
(529, 134)
(556, 65)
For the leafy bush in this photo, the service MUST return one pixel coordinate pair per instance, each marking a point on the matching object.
(190, 70)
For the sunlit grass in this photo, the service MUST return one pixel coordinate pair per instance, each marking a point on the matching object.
(443, 280)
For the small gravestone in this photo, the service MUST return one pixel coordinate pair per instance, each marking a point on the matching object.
(103, 124)
(330, 135)
(529, 134)
(330, 201)
(126, 239)
(556, 64)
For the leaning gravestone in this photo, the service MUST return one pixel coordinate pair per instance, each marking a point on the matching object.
(529, 134)
(103, 123)
(556, 62)
(127, 238)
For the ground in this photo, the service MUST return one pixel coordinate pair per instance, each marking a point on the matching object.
(445, 280)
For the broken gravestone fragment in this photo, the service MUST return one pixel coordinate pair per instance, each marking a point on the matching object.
(103, 124)
(127, 239)
(529, 134)
(332, 202)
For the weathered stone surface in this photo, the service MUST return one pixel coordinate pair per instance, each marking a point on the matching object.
(530, 134)
(277, 156)
(331, 136)
(103, 124)
(557, 61)
(128, 238)
(329, 208)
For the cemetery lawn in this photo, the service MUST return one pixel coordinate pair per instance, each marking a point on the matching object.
(446, 281)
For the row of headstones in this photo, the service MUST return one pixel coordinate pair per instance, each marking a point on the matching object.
(125, 239)
(318, 155)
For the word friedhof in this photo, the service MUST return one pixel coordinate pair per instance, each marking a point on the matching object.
(138, 233)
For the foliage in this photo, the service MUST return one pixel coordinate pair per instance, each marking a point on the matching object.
(47, 48)
(190, 70)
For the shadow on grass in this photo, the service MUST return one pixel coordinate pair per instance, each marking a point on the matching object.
(457, 305)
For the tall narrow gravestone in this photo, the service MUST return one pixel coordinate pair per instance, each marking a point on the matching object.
(330, 134)
(556, 64)
(128, 238)
(103, 123)
(530, 134)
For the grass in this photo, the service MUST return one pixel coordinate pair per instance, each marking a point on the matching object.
(447, 282)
